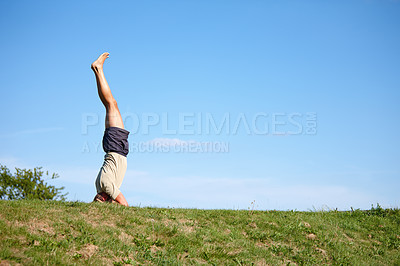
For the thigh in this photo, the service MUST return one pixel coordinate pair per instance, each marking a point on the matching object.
(113, 117)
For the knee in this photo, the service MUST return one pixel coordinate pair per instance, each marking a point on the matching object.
(112, 104)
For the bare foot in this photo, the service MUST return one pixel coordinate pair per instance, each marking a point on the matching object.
(98, 64)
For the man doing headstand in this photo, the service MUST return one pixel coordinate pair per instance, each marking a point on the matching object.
(115, 142)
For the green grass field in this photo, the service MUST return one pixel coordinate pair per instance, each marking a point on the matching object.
(65, 233)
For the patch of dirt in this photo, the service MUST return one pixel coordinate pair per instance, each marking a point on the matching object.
(227, 231)
(234, 252)
(120, 260)
(288, 262)
(262, 245)
(124, 237)
(188, 226)
(182, 256)
(154, 249)
(184, 221)
(4, 263)
(166, 222)
(95, 218)
(107, 261)
(322, 251)
(311, 236)
(60, 236)
(188, 221)
(273, 224)
(253, 225)
(280, 244)
(188, 229)
(244, 234)
(22, 240)
(305, 224)
(19, 252)
(261, 262)
(348, 238)
(14, 223)
(198, 261)
(40, 226)
(5, 221)
(88, 250)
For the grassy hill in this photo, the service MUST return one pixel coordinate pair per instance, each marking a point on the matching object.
(54, 233)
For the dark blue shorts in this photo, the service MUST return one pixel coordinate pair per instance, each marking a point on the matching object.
(115, 139)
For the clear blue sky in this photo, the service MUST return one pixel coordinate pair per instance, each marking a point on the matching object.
(269, 61)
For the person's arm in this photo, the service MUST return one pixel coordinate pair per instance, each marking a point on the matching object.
(121, 200)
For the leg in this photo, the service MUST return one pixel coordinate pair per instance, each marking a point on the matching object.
(113, 116)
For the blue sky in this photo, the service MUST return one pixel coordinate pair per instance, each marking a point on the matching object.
(321, 76)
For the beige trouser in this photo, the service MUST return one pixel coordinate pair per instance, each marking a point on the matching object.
(111, 174)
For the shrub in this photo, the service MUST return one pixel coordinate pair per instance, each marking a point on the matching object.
(28, 184)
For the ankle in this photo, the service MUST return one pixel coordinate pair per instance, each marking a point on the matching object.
(96, 68)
